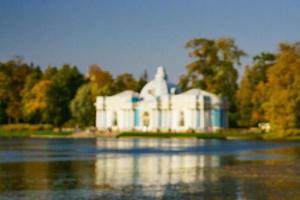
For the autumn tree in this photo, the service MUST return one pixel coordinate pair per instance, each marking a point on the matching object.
(214, 68)
(283, 105)
(251, 94)
(35, 102)
(13, 74)
(101, 81)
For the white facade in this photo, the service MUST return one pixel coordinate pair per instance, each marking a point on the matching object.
(159, 106)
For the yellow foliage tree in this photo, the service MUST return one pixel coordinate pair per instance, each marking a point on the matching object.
(283, 105)
(100, 80)
(259, 97)
(252, 93)
(35, 100)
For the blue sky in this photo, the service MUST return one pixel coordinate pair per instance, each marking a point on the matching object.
(133, 35)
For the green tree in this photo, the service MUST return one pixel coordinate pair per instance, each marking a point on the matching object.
(63, 89)
(213, 68)
(49, 72)
(34, 77)
(82, 106)
(125, 81)
(5, 83)
(100, 83)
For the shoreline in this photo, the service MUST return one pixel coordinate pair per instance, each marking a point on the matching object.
(146, 135)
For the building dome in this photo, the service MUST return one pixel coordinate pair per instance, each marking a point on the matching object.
(160, 86)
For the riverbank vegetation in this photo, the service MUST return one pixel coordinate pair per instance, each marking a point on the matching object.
(64, 97)
(222, 134)
(31, 130)
(42, 134)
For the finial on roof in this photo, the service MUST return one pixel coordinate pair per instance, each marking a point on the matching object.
(161, 73)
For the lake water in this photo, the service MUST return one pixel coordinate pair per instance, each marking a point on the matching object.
(148, 169)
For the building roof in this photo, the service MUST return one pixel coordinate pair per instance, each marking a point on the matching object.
(159, 86)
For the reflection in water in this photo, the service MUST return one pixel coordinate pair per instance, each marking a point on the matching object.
(155, 173)
(147, 169)
(152, 170)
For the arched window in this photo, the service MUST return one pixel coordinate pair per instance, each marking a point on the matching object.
(181, 119)
(146, 119)
(115, 119)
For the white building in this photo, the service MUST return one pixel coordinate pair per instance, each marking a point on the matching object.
(160, 106)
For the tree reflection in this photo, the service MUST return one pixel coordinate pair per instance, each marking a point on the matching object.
(143, 169)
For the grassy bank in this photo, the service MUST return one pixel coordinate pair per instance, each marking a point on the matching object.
(45, 130)
(29, 130)
(224, 135)
(231, 135)
(26, 133)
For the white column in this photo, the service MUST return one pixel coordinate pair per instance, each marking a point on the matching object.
(130, 119)
(202, 119)
(174, 119)
(196, 114)
(155, 119)
(158, 119)
(152, 119)
(170, 119)
(189, 119)
(121, 119)
(167, 119)
(126, 119)
(98, 119)
(118, 119)
(162, 119)
(109, 116)
(103, 119)
(193, 118)
(198, 119)
(129, 126)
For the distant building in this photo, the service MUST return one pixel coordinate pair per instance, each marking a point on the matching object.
(159, 106)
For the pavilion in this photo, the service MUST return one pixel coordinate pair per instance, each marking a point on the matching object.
(161, 106)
